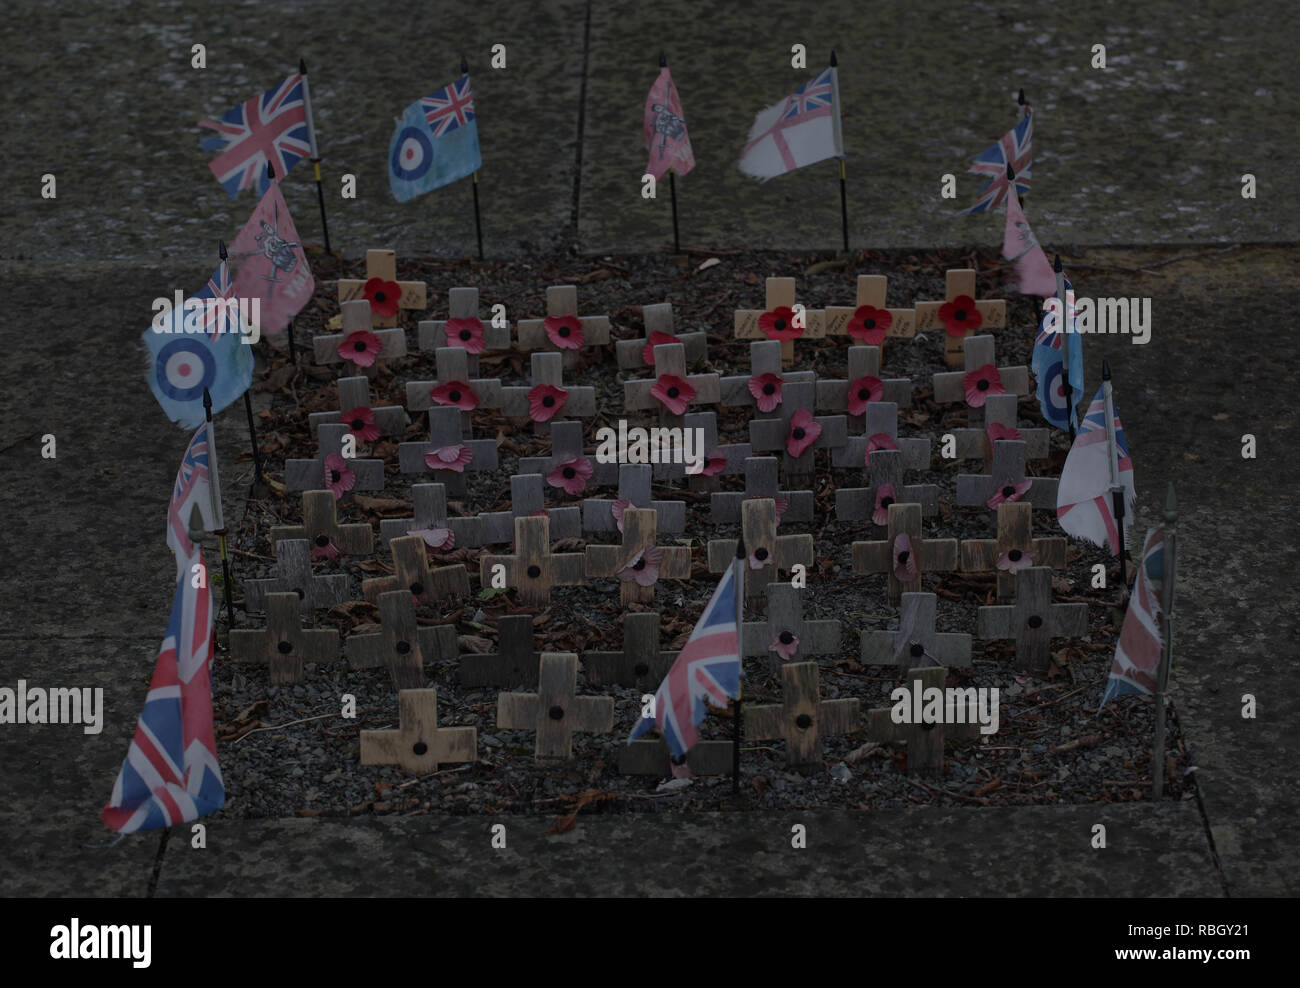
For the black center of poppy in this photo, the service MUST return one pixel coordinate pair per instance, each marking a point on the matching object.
(454, 395)
(903, 558)
(285, 647)
(865, 394)
(961, 315)
(563, 331)
(803, 722)
(760, 554)
(548, 401)
(556, 712)
(917, 650)
(1014, 555)
(769, 388)
(641, 669)
(982, 385)
(417, 588)
(639, 564)
(534, 572)
(780, 325)
(798, 433)
(1035, 621)
(1008, 491)
(402, 648)
(359, 347)
(869, 323)
(419, 747)
(885, 502)
(569, 473)
(381, 296)
(334, 476)
(357, 424)
(465, 334)
(300, 594)
(786, 637)
(322, 540)
(673, 392)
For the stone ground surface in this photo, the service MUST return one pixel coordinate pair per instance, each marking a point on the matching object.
(87, 576)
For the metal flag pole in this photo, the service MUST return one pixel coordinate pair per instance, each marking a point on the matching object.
(248, 404)
(1063, 302)
(1116, 488)
(478, 221)
(672, 178)
(315, 154)
(1024, 107)
(1166, 646)
(839, 144)
(738, 721)
(218, 519)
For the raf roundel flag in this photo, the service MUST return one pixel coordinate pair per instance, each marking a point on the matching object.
(435, 143)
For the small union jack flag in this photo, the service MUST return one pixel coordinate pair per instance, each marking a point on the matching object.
(1014, 147)
(192, 488)
(815, 95)
(217, 319)
(1137, 654)
(268, 128)
(450, 107)
(1084, 505)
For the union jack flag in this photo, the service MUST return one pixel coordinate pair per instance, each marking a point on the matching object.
(268, 128)
(217, 319)
(1137, 654)
(706, 671)
(815, 97)
(801, 129)
(1083, 501)
(1015, 147)
(450, 107)
(192, 487)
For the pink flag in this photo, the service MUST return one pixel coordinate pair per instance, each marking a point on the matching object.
(270, 263)
(1021, 246)
(665, 130)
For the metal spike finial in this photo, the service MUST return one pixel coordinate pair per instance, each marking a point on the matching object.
(1105, 369)
(302, 65)
(663, 60)
(464, 65)
(221, 249)
(834, 61)
(1171, 506)
(1011, 173)
(1021, 98)
(1057, 266)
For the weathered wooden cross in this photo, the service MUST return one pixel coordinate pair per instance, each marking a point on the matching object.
(718, 460)
(886, 487)
(767, 553)
(765, 377)
(430, 509)
(453, 386)
(904, 555)
(412, 572)
(354, 393)
(548, 398)
(514, 663)
(881, 418)
(1006, 481)
(999, 410)
(641, 664)
(554, 712)
(1033, 620)
(1013, 550)
(785, 636)
(979, 355)
(779, 321)
(467, 329)
(598, 514)
(925, 740)
(401, 646)
(382, 264)
(760, 481)
(566, 445)
(863, 386)
(310, 475)
(527, 498)
(419, 745)
(284, 644)
(563, 329)
(966, 312)
(915, 640)
(447, 454)
(293, 575)
(320, 527)
(533, 570)
(355, 317)
(790, 429)
(802, 719)
(659, 324)
(872, 289)
(671, 387)
(638, 564)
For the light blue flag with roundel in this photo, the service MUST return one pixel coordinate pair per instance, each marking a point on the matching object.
(435, 143)
(1059, 393)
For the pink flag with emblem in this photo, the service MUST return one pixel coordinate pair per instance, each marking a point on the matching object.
(270, 264)
(1021, 247)
(665, 130)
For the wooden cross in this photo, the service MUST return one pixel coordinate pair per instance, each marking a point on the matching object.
(634, 488)
(767, 553)
(514, 663)
(1033, 620)
(978, 351)
(445, 434)
(641, 664)
(760, 481)
(886, 470)
(412, 572)
(785, 626)
(872, 290)
(959, 282)
(562, 300)
(704, 427)
(670, 362)
(882, 418)
(924, 741)
(650, 756)
(320, 527)
(293, 575)
(659, 319)
(527, 498)
(864, 361)
(283, 644)
(1005, 479)
(548, 374)
(640, 532)
(534, 569)
(401, 645)
(779, 292)
(974, 443)
(554, 711)
(764, 358)
(355, 317)
(463, 303)
(419, 745)
(383, 264)
(566, 442)
(773, 433)
(899, 553)
(309, 475)
(802, 719)
(1007, 554)
(354, 392)
(430, 509)
(915, 639)
(451, 372)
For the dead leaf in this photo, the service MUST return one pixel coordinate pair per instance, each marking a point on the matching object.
(705, 265)
(857, 754)
(588, 797)
(381, 504)
(475, 644)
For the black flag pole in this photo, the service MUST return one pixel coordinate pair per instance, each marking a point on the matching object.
(478, 221)
(1020, 102)
(1116, 488)
(248, 404)
(844, 195)
(315, 154)
(1063, 303)
(672, 180)
(738, 721)
(218, 517)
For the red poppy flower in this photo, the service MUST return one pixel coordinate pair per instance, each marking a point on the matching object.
(881, 440)
(904, 559)
(656, 338)
(466, 333)
(338, 477)
(644, 567)
(982, 382)
(863, 391)
(804, 430)
(455, 458)
(383, 296)
(960, 316)
(785, 644)
(618, 509)
(545, 402)
(360, 348)
(564, 331)
(1016, 559)
(884, 498)
(766, 389)
(571, 473)
(870, 324)
(436, 539)
(1009, 492)
(455, 393)
(673, 393)
(361, 423)
(997, 431)
(779, 504)
(779, 324)
(325, 549)
(710, 466)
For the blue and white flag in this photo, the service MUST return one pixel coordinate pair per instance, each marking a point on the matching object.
(436, 142)
(1059, 399)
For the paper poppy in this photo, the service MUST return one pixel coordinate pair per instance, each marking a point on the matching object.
(804, 430)
(786, 644)
(759, 558)
(436, 539)
(1016, 559)
(361, 423)
(881, 440)
(779, 324)
(545, 402)
(323, 548)
(904, 559)
(870, 324)
(779, 504)
(884, 498)
(656, 338)
(455, 458)
(960, 316)
(455, 393)
(338, 477)
(564, 331)
(644, 567)
(766, 389)
(863, 391)
(1009, 492)
(709, 466)
(618, 508)
(383, 296)
(465, 333)
(980, 383)
(673, 393)
(571, 473)
(360, 348)
(997, 430)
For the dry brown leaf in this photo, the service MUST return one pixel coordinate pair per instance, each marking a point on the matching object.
(588, 797)
(381, 504)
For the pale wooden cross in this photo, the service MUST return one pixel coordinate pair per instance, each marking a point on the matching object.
(779, 293)
(772, 433)
(670, 368)
(634, 488)
(923, 555)
(533, 570)
(451, 372)
(320, 527)
(703, 426)
(429, 585)
(650, 756)
(760, 481)
(959, 283)
(924, 741)
(554, 712)
(764, 358)
(802, 719)
(833, 395)
(401, 646)
(974, 443)
(566, 443)
(355, 317)
(293, 575)
(283, 644)
(548, 373)
(354, 392)
(430, 509)
(872, 290)
(526, 499)
(767, 553)
(463, 304)
(419, 745)
(642, 664)
(514, 663)
(785, 626)
(1010, 551)
(978, 351)
(659, 319)
(915, 638)
(309, 475)
(886, 470)
(640, 532)
(383, 264)
(1033, 621)
(881, 418)
(1002, 481)
(445, 434)
(562, 301)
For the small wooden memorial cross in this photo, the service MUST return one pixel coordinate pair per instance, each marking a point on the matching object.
(455, 387)
(778, 433)
(764, 360)
(1006, 481)
(915, 640)
(904, 555)
(566, 444)
(355, 318)
(534, 569)
(429, 585)
(293, 575)
(354, 393)
(872, 289)
(802, 719)
(320, 527)
(430, 509)
(760, 481)
(659, 319)
(716, 460)
(779, 295)
(447, 445)
(881, 418)
(526, 499)
(885, 475)
(574, 331)
(1014, 549)
(974, 443)
(833, 395)
(671, 384)
(514, 663)
(468, 329)
(785, 636)
(382, 264)
(401, 646)
(419, 745)
(284, 645)
(548, 396)
(642, 663)
(638, 564)
(634, 489)
(925, 740)
(309, 475)
(554, 711)
(978, 355)
(986, 314)
(1033, 620)
(768, 553)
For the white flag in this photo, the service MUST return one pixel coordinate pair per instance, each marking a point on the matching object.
(802, 129)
